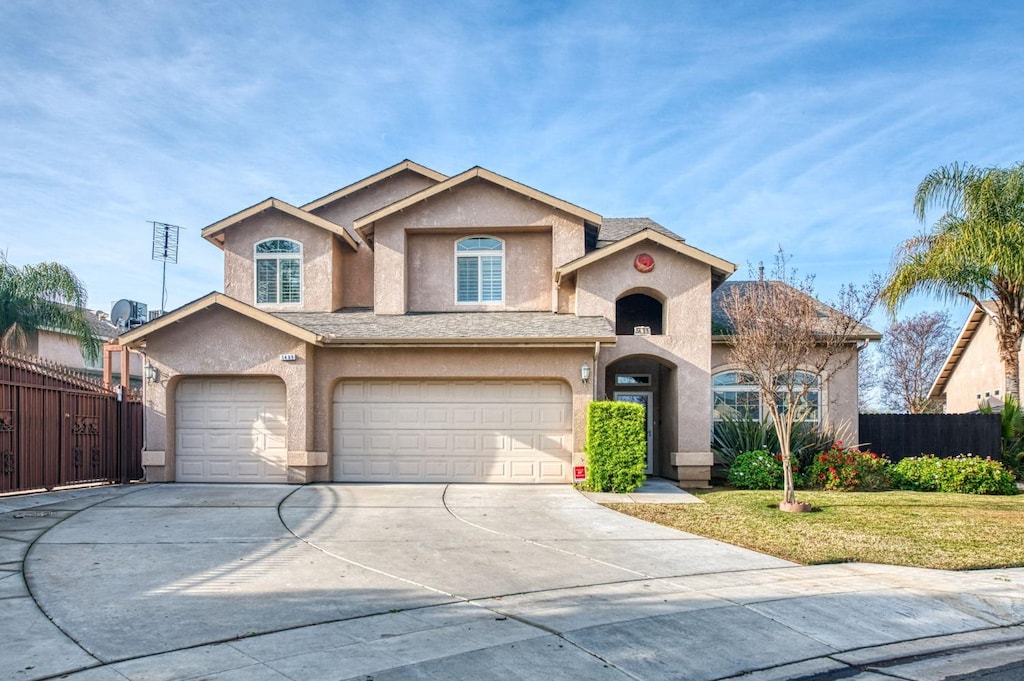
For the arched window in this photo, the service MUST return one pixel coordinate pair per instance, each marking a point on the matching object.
(278, 271)
(479, 270)
(638, 314)
(733, 393)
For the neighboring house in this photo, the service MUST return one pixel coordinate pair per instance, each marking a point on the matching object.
(64, 349)
(973, 373)
(418, 327)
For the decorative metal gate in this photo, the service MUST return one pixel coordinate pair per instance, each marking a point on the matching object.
(60, 428)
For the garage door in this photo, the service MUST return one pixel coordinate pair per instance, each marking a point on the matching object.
(230, 430)
(452, 431)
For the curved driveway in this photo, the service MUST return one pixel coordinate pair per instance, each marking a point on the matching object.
(449, 581)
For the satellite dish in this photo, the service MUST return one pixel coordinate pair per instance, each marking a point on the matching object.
(121, 313)
(127, 314)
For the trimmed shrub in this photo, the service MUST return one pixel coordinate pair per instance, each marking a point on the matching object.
(962, 474)
(849, 469)
(616, 446)
(759, 469)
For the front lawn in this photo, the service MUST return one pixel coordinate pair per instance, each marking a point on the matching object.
(920, 529)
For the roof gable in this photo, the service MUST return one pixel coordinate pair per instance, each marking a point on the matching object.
(138, 335)
(403, 166)
(365, 225)
(970, 327)
(720, 268)
(215, 233)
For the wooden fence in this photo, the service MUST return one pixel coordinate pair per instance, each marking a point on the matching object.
(944, 435)
(59, 428)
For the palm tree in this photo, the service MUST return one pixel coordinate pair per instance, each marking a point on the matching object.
(974, 251)
(43, 296)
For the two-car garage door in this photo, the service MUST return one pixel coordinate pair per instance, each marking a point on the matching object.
(233, 429)
(452, 431)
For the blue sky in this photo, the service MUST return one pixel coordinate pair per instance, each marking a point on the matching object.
(742, 126)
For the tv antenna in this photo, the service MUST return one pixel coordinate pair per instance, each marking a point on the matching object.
(165, 249)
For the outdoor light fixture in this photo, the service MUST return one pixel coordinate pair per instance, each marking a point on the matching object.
(151, 374)
(585, 373)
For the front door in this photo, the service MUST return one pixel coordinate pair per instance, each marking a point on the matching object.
(643, 399)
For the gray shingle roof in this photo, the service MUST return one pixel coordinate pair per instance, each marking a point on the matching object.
(617, 229)
(720, 324)
(361, 325)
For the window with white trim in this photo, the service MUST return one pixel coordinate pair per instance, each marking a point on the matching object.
(278, 271)
(479, 270)
(734, 393)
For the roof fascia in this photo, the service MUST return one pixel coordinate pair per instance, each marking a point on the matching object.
(138, 335)
(722, 267)
(215, 233)
(963, 339)
(543, 342)
(364, 225)
(374, 179)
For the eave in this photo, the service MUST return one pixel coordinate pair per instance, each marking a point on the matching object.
(364, 226)
(721, 269)
(136, 337)
(974, 320)
(374, 179)
(215, 233)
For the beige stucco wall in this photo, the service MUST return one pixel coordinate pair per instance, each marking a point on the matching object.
(354, 286)
(475, 207)
(979, 371)
(318, 260)
(841, 406)
(431, 271)
(219, 342)
(684, 287)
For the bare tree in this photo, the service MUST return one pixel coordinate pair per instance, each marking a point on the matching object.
(910, 357)
(787, 342)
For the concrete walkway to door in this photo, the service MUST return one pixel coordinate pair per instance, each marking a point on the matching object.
(395, 582)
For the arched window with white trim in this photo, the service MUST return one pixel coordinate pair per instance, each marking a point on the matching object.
(734, 394)
(278, 272)
(479, 270)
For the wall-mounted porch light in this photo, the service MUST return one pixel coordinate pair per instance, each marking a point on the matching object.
(585, 373)
(151, 372)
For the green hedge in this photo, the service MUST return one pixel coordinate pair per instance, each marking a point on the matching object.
(961, 474)
(616, 446)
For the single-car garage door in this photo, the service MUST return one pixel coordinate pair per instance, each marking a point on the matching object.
(230, 430)
(452, 431)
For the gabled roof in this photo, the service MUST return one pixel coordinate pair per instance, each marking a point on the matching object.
(374, 179)
(215, 233)
(721, 326)
(138, 335)
(974, 320)
(363, 327)
(720, 269)
(364, 225)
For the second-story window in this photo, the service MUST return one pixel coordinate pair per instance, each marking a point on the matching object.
(479, 270)
(278, 271)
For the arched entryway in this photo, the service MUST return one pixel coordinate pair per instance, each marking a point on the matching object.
(650, 381)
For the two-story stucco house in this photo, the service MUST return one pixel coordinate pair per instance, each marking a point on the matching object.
(418, 327)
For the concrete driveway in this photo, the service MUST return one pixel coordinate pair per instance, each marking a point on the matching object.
(454, 582)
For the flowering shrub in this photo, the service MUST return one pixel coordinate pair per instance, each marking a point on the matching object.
(962, 474)
(758, 469)
(849, 469)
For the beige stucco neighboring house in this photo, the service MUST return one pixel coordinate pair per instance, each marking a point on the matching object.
(973, 374)
(63, 348)
(418, 327)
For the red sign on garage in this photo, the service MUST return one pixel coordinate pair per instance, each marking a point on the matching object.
(580, 472)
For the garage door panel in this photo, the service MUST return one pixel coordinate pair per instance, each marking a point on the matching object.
(464, 430)
(230, 430)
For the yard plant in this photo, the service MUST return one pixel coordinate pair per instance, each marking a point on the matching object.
(616, 446)
(962, 474)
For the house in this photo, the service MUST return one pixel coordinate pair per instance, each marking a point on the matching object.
(973, 374)
(63, 348)
(418, 327)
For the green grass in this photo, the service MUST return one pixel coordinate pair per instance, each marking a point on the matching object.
(932, 530)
